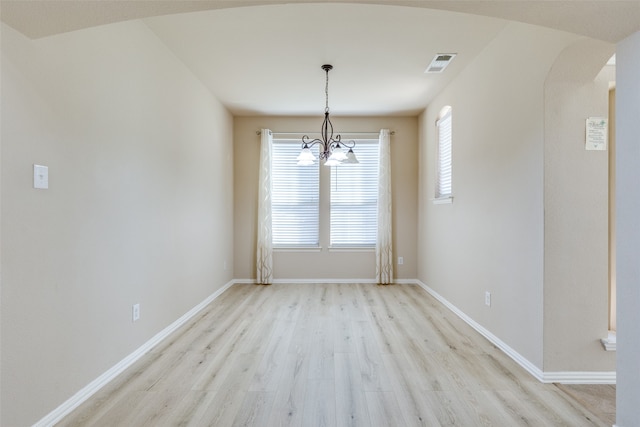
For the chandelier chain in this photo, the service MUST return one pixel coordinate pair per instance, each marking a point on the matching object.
(326, 92)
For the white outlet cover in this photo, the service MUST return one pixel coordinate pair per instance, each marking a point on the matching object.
(40, 177)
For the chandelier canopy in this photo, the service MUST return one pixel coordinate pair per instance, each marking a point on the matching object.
(332, 150)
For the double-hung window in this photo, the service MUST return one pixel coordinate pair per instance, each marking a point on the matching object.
(354, 199)
(443, 176)
(295, 198)
(346, 194)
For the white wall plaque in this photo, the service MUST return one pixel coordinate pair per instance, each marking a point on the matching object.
(596, 133)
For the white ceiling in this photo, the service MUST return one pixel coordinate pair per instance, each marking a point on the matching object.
(265, 58)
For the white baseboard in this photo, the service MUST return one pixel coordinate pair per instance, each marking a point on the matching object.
(609, 343)
(569, 377)
(94, 386)
(311, 281)
(580, 377)
(245, 281)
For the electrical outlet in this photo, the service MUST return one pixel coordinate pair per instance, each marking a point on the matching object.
(136, 312)
(400, 260)
(487, 299)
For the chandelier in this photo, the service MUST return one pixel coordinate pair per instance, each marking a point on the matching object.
(332, 150)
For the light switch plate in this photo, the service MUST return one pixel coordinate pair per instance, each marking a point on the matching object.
(40, 177)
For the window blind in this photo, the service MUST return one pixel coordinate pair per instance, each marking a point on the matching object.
(443, 178)
(295, 197)
(354, 196)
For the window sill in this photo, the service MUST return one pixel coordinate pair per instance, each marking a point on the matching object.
(609, 343)
(297, 249)
(352, 249)
(443, 200)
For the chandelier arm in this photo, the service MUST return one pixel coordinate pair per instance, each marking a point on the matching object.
(310, 142)
(348, 144)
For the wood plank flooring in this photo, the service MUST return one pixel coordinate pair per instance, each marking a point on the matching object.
(328, 355)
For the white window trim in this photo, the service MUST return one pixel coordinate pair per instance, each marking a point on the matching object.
(443, 200)
(297, 248)
(352, 248)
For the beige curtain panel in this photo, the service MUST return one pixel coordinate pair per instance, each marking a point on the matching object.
(264, 250)
(384, 254)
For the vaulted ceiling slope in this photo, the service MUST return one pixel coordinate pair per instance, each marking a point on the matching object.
(607, 20)
(264, 56)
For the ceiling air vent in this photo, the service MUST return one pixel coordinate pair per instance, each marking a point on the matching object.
(440, 62)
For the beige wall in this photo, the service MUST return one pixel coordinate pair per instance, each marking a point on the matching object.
(139, 208)
(292, 265)
(576, 232)
(491, 237)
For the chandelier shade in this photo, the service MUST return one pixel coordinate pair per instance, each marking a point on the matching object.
(331, 149)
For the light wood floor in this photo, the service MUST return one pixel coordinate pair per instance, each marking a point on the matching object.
(328, 355)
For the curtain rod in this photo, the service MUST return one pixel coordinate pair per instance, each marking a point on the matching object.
(393, 132)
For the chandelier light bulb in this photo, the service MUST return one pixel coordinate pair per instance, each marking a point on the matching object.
(338, 154)
(306, 155)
